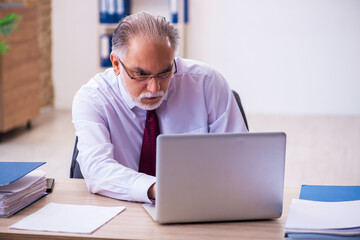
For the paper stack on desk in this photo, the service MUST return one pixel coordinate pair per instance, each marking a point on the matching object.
(18, 188)
(333, 212)
(323, 220)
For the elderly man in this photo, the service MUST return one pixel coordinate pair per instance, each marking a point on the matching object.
(148, 91)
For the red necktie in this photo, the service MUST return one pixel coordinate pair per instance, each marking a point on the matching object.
(148, 150)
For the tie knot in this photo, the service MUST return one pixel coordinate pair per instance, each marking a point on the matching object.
(150, 114)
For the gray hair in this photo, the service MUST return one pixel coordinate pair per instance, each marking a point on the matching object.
(143, 25)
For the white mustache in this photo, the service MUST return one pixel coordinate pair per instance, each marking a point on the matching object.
(151, 95)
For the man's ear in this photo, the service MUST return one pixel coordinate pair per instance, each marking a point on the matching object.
(115, 64)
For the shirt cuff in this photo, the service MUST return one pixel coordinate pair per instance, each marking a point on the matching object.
(139, 192)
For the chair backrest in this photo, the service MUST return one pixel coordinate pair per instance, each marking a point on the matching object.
(238, 100)
(75, 171)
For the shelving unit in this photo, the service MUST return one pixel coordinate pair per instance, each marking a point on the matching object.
(110, 13)
(19, 72)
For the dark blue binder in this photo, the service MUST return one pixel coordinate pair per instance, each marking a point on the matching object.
(174, 10)
(105, 50)
(12, 171)
(327, 193)
(186, 11)
(103, 11)
(122, 9)
(112, 11)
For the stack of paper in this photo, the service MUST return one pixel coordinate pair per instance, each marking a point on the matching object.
(333, 212)
(17, 193)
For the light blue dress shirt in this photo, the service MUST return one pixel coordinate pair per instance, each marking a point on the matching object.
(110, 127)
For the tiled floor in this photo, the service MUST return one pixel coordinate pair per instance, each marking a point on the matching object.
(50, 139)
(320, 149)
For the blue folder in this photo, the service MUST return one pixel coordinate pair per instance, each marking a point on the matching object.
(112, 11)
(12, 171)
(314, 236)
(105, 50)
(330, 193)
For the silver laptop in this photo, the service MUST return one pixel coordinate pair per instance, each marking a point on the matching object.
(219, 177)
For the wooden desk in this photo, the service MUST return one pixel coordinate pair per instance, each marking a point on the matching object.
(134, 222)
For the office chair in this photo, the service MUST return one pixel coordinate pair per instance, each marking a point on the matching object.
(75, 171)
(238, 101)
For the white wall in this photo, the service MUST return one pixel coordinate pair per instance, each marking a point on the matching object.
(75, 47)
(282, 56)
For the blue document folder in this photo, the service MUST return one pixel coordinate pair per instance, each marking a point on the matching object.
(12, 171)
(330, 193)
(314, 236)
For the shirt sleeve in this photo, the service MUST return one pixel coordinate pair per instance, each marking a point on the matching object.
(103, 174)
(224, 114)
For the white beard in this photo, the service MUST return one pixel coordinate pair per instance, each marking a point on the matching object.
(137, 100)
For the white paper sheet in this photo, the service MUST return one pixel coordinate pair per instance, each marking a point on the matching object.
(305, 214)
(57, 217)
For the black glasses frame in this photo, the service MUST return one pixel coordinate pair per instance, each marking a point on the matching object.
(146, 77)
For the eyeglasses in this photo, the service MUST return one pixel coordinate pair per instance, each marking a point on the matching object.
(160, 76)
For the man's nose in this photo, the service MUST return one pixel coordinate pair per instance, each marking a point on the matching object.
(153, 85)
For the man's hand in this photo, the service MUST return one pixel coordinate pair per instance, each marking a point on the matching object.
(151, 192)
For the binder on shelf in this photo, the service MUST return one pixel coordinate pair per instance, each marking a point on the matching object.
(174, 11)
(112, 11)
(103, 11)
(107, 11)
(122, 9)
(328, 193)
(105, 50)
(186, 11)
